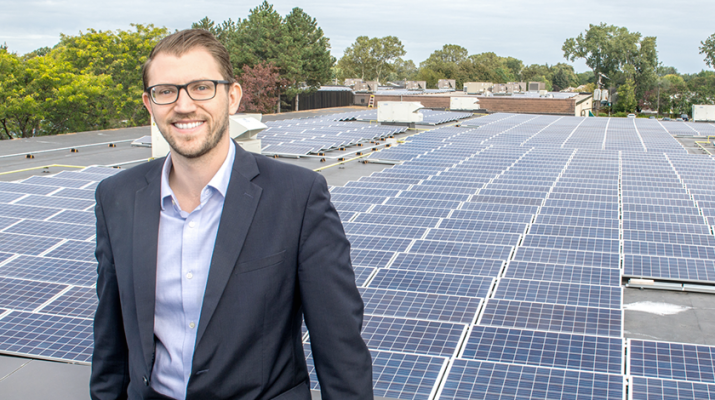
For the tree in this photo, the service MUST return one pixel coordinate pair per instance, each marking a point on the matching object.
(261, 85)
(120, 55)
(707, 47)
(617, 53)
(313, 49)
(371, 58)
(626, 97)
(402, 70)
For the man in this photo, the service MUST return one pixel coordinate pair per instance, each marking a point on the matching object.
(209, 257)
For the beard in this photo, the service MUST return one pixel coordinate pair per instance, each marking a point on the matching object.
(208, 143)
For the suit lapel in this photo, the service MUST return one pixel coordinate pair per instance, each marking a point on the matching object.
(145, 246)
(239, 208)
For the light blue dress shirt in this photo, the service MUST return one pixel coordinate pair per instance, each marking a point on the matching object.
(186, 244)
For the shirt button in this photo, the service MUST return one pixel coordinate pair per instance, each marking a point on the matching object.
(192, 224)
(192, 325)
(189, 275)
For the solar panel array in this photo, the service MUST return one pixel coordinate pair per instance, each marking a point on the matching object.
(490, 261)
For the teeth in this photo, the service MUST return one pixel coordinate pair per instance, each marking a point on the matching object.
(187, 126)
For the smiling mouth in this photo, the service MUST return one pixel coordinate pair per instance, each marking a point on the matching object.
(187, 125)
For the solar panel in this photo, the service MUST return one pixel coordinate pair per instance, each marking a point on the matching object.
(74, 250)
(396, 375)
(552, 317)
(681, 269)
(24, 244)
(432, 282)
(563, 273)
(46, 336)
(404, 304)
(53, 229)
(76, 302)
(406, 232)
(457, 249)
(671, 360)
(545, 349)
(447, 264)
(412, 335)
(567, 257)
(45, 269)
(559, 293)
(665, 389)
(468, 379)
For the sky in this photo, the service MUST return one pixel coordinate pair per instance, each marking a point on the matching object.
(528, 30)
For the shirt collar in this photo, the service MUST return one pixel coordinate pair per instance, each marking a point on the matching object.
(219, 182)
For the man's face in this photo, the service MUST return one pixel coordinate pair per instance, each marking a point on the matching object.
(192, 128)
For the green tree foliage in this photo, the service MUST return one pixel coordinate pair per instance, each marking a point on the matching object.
(446, 62)
(626, 97)
(402, 70)
(707, 47)
(294, 44)
(617, 53)
(371, 58)
(119, 55)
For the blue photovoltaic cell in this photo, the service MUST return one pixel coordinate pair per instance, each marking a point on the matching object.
(552, 317)
(396, 375)
(346, 215)
(668, 250)
(395, 231)
(56, 202)
(528, 201)
(447, 264)
(75, 217)
(347, 206)
(344, 198)
(683, 269)
(666, 360)
(571, 243)
(57, 182)
(670, 237)
(405, 201)
(26, 212)
(454, 235)
(655, 217)
(6, 197)
(386, 219)
(362, 274)
(488, 226)
(434, 307)
(545, 349)
(378, 243)
(74, 250)
(490, 216)
(559, 293)
(474, 250)
(504, 208)
(5, 256)
(580, 212)
(51, 270)
(412, 336)
(24, 244)
(76, 302)
(5, 222)
(24, 295)
(53, 229)
(573, 231)
(75, 194)
(431, 282)
(567, 257)
(370, 258)
(577, 221)
(46, 336)
(665, 389)
(412, 211)
(563, 273)
(14, 187)
(482, 380)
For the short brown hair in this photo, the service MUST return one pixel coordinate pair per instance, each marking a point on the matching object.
(181, 42)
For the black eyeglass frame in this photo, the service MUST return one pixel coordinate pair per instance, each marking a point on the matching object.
(185, 87)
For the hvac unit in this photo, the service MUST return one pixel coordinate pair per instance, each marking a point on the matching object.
(463, 103)
(399, 112)
(703, 112)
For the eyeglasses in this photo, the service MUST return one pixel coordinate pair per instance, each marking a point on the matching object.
(164, 94)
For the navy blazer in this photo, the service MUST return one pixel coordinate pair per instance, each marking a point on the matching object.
(280, 254)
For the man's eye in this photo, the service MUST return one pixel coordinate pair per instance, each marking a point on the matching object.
(165, 91)
(201, 88)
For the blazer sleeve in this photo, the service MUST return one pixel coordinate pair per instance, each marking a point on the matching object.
(110, 371)
(332, 306)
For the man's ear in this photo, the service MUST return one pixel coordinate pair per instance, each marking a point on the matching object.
(147, 103)
(234, 97)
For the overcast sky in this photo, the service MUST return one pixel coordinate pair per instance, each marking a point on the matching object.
(528, 30)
